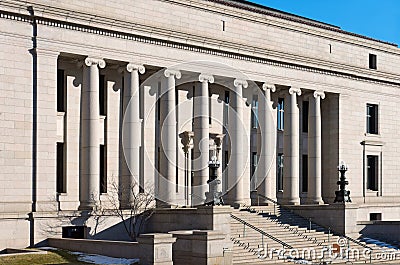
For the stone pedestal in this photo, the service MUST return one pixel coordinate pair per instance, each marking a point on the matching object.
(202, 217)
(340, 217)
(158, 249)
(201, 248)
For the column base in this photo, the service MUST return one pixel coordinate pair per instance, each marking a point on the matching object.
(166, 205)
(238, 203)
(316, 201)
(86, 206)
(290, 201)
(261, 201)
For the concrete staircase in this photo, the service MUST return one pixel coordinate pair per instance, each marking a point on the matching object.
(260, 233)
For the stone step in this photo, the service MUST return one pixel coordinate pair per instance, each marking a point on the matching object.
(285, 233)
(282, 225)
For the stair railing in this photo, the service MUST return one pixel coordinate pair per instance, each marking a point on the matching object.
(349, 239)
(261, 232)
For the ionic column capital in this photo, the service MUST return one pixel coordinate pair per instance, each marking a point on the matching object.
(295, 90)
(90, 61)
(319, 93)
(268, 86)
(135, 67)
(240, 82)
(170, 72)
(206, 78)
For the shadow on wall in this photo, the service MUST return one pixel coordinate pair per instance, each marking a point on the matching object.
(383, 230)
(115, 232)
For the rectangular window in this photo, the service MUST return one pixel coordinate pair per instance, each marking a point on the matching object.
(102, 95)
(60, 169)
(210, 108)
(372, 172)
(159, 101)
(226, 160)
(375, 216)
(305, 116)
(61, 93)
(280, 113)
(224, 167)
(372, 61)
(280, 171)
(159, 158)
(103, 169)
(304, 185)
(254, 112)
(226, 98)
(372, 119)
(254, 161)
(176, 179)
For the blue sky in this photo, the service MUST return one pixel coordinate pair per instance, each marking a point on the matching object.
(379, 19)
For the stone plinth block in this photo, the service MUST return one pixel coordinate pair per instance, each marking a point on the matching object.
(158, 248)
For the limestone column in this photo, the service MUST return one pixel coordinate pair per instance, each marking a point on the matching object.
(291, 148)
(266, 146)
(167, 180)
(131, 135)
(314, 148)
(89, 179)
(201, 129)
(239, 194)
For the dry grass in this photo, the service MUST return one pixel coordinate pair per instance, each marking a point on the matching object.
(52, 257)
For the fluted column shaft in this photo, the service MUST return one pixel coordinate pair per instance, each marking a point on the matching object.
(314, 148)
(291, 148)
(132, 134)
(266, 146)
(239, 194)
(89, 181)
(167, 180)
(201, 129)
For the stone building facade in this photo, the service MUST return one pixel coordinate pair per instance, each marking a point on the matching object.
(99, 94)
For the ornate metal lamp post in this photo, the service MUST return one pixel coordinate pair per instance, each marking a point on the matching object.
(213, 196)
(342, 195)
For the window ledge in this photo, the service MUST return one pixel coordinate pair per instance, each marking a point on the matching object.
(372, 142)
(372, 193)
(376, 135)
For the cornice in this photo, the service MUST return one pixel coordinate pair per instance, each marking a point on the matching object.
(220, 51)
(245, 5)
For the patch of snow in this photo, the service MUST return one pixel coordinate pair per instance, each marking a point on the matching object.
(99, 259)
(47, 248)
(77, 253)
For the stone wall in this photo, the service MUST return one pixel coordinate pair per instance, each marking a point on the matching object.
(150, 248)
